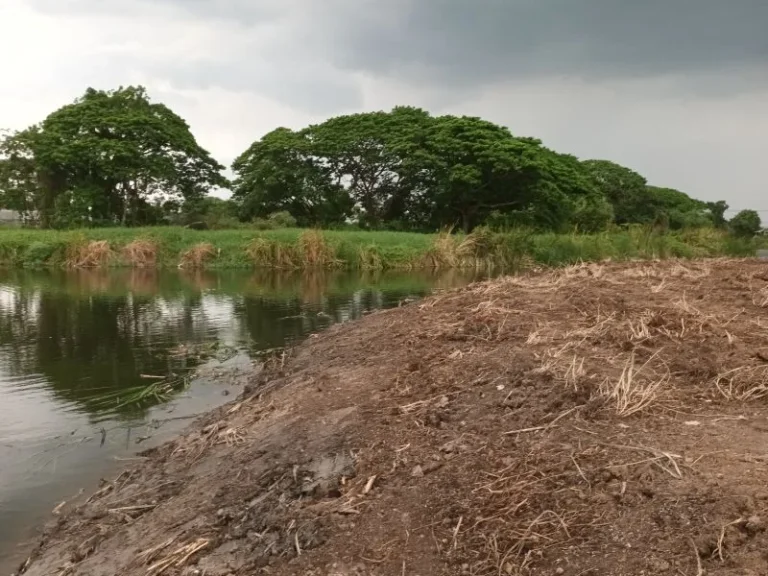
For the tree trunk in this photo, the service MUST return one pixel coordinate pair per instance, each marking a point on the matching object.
(466, 222)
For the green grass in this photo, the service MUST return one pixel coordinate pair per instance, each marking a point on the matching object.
(294, 249)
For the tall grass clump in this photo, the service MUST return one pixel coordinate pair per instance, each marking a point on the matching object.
(484, 248)
(197, 256)
(443, 253)
(316, 252)
(267, 253)
(369, 258)
(140, 254)
(89, 254)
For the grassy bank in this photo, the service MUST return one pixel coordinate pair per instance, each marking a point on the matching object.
(297, 249)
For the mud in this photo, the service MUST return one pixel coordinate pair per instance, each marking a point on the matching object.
(601, 419)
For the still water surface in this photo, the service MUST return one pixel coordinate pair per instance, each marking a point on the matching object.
(68, 340)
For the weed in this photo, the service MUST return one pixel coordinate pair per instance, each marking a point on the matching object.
(140, 253)
(93, 254)
(369, 258)
(197, 256)
(315, 250)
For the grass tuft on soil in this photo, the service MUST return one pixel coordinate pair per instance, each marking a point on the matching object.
(570, 421)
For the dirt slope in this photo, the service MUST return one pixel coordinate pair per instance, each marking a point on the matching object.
(594, 420)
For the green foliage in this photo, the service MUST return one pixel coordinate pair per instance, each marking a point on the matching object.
(114, 158)
(38, 254)
(592, 214)
(283, 219)
(297, 248)
(407, 170)
(745, 224)
(625, 189)
(101, 159)
(279, 173)
(717, 212)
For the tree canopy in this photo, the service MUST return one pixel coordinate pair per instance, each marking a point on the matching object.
(408, 169)
(117, 158)
(745, 224)
(101, 159)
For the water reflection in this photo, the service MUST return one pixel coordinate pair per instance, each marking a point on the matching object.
(68, 338)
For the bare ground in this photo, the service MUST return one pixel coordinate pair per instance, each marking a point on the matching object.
(601, 419)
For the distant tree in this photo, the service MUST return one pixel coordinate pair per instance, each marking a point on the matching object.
(624, 188)
(214, 212)
(20, 189)
(407, 170)
(717, 211)
(375, 156)
(745, 224)
(679, 210)
(104, 157)
(280, 174)
(592, 214)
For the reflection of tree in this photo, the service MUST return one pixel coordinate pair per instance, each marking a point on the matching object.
(87, 346)
(94, 331)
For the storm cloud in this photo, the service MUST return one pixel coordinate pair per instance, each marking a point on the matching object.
(675, 89)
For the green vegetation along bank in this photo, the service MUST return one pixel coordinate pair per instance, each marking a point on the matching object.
(294, 248)
(116, 158)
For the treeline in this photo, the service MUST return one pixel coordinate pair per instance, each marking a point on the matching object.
(116, 158)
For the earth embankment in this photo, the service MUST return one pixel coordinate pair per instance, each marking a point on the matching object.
(599, 419)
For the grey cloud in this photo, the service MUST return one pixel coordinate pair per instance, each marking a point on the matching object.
(314, 89)
(465, 45)
(245, 11)
(459, 41)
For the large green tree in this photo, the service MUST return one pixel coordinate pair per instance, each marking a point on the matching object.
(279, 173)
(624, 188)
(679, 209)
(745, 224)
(373, 156)
(717, 211)
(409, 169)
(103, 157)
(19, 187)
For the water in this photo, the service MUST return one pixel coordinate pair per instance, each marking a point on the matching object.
(68, 340)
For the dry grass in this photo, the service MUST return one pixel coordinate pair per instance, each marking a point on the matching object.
(140, 254)
(443, 253)
(178, 558)
(91, 254)
(368, 258)
(266, 253)
(197, 256)
(634, 391)
(743, 383)
(316, 252)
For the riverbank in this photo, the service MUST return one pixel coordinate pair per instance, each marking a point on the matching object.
(303, 249)
(566, 422)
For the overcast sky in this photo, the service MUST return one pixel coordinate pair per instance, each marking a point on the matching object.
(676, 89)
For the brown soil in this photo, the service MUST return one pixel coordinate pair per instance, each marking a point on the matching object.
(594, 420)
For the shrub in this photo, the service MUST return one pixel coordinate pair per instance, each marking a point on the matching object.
(38, 254)
(745, 224)
(282, 219)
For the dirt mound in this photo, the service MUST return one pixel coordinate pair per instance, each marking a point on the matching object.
(593, 420)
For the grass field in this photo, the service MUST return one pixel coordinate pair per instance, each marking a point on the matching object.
(292, 248)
